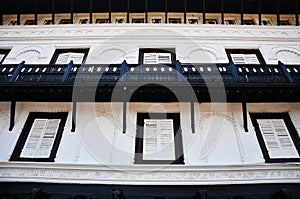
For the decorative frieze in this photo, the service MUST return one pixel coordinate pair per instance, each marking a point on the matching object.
(150, 175)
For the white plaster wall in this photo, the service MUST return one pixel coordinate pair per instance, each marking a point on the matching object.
(219, 137)
(112, 43)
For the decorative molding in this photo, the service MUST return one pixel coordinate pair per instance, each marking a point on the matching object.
(170, 31)
(209, 115)
(29, 54)
(287, 54)
(4, 120)
(108, 54)
(150, 174)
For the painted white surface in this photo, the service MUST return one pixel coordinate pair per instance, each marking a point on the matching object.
(99, 140)
(112, 43)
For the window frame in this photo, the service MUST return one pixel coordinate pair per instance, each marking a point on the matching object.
(245, 51)
(61, 51)
(5, 52)
(16, 155)
(142, 51)
(139, 141)
(291, 130)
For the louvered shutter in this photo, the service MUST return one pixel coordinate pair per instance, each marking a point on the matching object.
(65, 58)
(164, 58)
(244, 59)
(150, 58)
(277, 138)
(157, 58)
(158, 140)
(40, 139)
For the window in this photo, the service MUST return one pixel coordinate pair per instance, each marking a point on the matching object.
(30, 22)
(64, 56)
(157, 56)
(211, 21)
(230, 22)
(48, 22)
(83, 21)
(101, 21)
(266, 23)
(277, 136)
(245, 57)
(140, 20)
(248, 22)
(120, 20)
(65, 21)
(13, 23)
(158, 139)
(3, 54)
(284, 23)
(193, 21)
(175, 20)
(40, 137)
(156, 20)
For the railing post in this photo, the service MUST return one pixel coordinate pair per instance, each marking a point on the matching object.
(179, 70)
(74, 108)
(244, 107)
(67, 71)
(124, 69)
(234, 71)
(16, 72)
(285, 72)
(12, 115)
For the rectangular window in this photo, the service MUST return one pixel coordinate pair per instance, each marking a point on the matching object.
(138, 20)
(30, 22)
(156, 20)
(65, 21)
(157, 56)
(101, 21)
(211, 21)
(158, 139)
(40, 137)
(277, 136)
(175, 20)
(245, 57)
(83, 21)
(64, 56)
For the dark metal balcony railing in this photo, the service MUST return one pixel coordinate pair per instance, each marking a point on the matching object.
(193, 73)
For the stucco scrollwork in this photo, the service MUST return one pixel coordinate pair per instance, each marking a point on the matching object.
(201, 54)
(212, 138)
(29, 54)
(287, 55)
(111, 54)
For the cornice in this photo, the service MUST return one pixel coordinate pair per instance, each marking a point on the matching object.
(149, 174)
(157, 31)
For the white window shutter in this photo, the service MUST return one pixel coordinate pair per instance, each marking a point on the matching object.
(251, 59)
(157, 58)
(277, 138)
(65, 58)
(244, 59)
(150, 58)
(164, 58)
(40, 139)
(158, 140)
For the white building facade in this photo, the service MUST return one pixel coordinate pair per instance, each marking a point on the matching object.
(206, 108)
